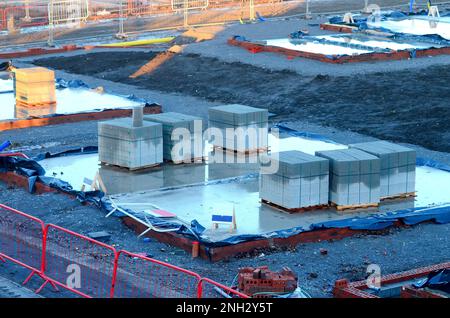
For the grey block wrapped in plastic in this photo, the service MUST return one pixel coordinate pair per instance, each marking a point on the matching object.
(354, 177)
(293, 179)
(398, 166)
(241, 128)
(176, 125)
(122, 144)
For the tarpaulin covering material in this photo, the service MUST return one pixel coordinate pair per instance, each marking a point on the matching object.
(32, 169)
(364, 23)
(439, 280)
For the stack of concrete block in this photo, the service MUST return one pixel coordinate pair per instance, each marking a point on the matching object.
(193, 149)
(300, 180)
(123, 144)
(398, 166)
(354, 177)
(242, 128)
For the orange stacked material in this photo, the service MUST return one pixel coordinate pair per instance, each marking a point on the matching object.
(34, 87)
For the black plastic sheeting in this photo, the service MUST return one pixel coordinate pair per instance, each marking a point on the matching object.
(439, 280)
(35, 173)
(31, 169)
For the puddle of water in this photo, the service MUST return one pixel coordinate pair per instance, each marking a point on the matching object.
(69, 101)
(416, 26)
(6, 85)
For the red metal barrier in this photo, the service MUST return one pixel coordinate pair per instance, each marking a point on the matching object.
(143, 277)
(22, 241)
(2, 20)
(14, 154)
(77, 263)
(211, 289)
(26, 16)
(90, 268)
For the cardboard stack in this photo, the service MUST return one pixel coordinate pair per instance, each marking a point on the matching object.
(122, 144)
(301, 180)
(242, 128)
(172, 149)
(354, 177)
(34, 86)
(398, 166)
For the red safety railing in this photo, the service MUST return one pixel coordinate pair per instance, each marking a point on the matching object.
(90, 268)
(26, 16)
(138, 276)
(14, 154)
(22, 241)
(2, 19)
(78, 263)
(211, 289)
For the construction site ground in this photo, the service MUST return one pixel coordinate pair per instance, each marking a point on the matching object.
(401, 101)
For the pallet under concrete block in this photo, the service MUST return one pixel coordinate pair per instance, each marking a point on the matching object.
(156, 165)
(295, 210)
(341, 208)
(399, 196)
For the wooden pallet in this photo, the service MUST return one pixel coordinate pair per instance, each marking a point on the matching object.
(354, 207)
(193, 160)
(399, 196)
(35, 105)
(247, 152)
(131, 169)
(295, 210)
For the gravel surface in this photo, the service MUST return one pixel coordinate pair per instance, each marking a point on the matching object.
(395, 250)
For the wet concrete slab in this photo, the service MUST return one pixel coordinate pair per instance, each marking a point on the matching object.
(416, 26)
(196, 191)
(347, 44)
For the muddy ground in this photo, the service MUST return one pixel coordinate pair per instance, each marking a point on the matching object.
(406, 106)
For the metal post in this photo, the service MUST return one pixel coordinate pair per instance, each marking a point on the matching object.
(121, 34)
(366, 6)
(308, 12)
(186, 10)
(27, 17)
(50, 41)
(252, 10)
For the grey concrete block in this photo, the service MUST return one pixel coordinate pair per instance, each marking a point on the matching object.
(301, 180)
(171, 121)
(123, 145)
(396, 161)
(235, 114)
(354, 176)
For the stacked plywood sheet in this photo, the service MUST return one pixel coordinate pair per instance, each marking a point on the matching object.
(241, 128)
(34, 86)
(122, 144)
(354, 177)
(293, 179)
(179, 126)
(398, 167)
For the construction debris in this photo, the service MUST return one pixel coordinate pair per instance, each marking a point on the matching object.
(260, 282)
